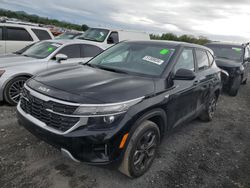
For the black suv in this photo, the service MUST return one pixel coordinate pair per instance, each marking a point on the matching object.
(234, 59)
(116, 108)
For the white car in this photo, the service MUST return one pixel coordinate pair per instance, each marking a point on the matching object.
(15, 36)
(109, 37)
(16, 68)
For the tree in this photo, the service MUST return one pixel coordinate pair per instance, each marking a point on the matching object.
(84, 27)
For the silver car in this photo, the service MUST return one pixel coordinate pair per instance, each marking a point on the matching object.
(16, 68)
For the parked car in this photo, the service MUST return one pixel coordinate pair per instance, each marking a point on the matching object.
(117, 107)
(69, 35)
(16, 68)
(14, 37)
(109, 37)
(235, 59)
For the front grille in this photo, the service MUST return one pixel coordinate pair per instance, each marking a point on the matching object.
(39, 110)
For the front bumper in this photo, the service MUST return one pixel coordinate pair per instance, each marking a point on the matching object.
(93, 147)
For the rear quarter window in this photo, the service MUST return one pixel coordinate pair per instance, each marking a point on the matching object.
(41, 34)
(18, 34)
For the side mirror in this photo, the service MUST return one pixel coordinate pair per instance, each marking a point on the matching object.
(110, 40)
(184, 74)
(61, 57)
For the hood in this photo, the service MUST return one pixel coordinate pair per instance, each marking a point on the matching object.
(96, 84)
(15, 60)
(227, 63)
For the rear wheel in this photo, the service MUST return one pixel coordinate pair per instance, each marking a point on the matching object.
(234, 88)
(208, 113)
(244, 82)
(13, 90)
(141, 150)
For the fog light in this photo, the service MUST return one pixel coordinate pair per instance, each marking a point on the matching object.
(109, 119)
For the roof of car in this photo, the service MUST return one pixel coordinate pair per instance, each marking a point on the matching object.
(225, 44)
(171, 43)
(24, 26)
(74, 41)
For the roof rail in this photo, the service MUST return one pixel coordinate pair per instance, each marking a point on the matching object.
(21, 23)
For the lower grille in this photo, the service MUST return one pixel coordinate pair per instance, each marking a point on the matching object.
(39, 110)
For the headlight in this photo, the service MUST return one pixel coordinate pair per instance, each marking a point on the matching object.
(106, 109)
(1, 72)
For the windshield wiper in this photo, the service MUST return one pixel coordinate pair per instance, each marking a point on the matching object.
(111, 69)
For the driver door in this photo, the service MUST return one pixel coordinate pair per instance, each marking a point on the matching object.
(71, 51)
(183, 100)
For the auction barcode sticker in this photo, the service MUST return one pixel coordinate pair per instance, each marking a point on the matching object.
(153, 60)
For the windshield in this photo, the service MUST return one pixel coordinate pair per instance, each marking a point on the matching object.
(24, 49)
(67, 36)
(98, 35)
(42, 49)
(228, 52)
(138, 58)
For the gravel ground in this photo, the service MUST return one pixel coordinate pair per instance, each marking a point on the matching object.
(215, 154)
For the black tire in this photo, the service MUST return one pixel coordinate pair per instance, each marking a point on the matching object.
(13, 90)
(208, 114)
(234, 88)
(141, 150)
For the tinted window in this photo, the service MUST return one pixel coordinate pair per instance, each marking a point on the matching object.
(41, 34)
(186, 60)
(137, 58)
(202, 59)
(114, 37)
(227, 52)
(210, 57)
(72, 51)
(18, 34)
(90, 50)
(93, 34)
(1, 33)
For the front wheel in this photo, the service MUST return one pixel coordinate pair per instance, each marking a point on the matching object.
(13, 90)
(141, 150)
(208, 113)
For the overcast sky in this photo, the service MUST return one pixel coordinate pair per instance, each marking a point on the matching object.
(226, 20)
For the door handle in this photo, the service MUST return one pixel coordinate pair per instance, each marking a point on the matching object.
(196, 82)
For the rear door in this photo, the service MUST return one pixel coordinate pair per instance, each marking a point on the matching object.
(17, 38)
(2, 41)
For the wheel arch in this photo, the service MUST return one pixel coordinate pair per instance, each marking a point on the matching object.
(156, 115)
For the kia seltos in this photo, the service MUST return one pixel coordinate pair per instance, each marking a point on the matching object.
(116, 108)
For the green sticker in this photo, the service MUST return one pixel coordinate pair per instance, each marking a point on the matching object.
(50, 49)
(164, 51)
(237, 49)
